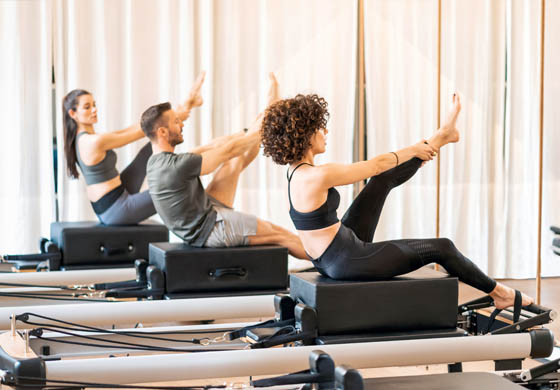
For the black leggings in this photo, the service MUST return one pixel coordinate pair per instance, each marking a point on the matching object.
(131, 207)
(352, 255)
(134, 174)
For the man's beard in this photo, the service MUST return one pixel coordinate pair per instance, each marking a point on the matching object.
(176, 140)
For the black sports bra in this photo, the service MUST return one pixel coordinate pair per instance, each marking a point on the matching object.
(322, 217)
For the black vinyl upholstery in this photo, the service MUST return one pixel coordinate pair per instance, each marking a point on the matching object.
(91, 243)
(420, 300)
(190, 269)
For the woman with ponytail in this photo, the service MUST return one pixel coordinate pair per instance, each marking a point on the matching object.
(115, 197)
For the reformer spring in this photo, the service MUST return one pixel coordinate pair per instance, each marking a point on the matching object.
(228, 334)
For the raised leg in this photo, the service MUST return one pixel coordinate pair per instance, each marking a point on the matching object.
(224, 183)
(363, 214)
(133, 175)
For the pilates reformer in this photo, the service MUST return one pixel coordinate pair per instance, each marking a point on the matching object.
(333, 313)
(21, 368)
(171, 271)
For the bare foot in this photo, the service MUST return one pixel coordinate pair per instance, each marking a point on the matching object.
(504, 296)
(273, 95)
(449, 130)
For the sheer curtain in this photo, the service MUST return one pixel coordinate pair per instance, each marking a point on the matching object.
(519, 218)
(401, 104)
(26, 194)
(472, 193)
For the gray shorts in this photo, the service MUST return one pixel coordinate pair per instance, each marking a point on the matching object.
(232, 228)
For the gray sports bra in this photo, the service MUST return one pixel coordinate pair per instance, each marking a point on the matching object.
(100, 172)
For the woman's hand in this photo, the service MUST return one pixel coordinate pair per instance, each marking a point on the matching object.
(424, 151)
(195, 98)
(273, 95)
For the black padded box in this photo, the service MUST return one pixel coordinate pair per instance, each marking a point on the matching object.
(190, 269)
(92, 244)
(421, 300)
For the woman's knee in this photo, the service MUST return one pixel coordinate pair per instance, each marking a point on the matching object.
(448, 251)
(445, 244)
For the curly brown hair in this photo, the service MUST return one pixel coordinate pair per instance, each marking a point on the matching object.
(289, 124)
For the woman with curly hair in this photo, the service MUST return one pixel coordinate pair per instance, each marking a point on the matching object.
(294, 132)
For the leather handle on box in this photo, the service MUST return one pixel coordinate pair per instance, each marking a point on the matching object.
(112, 251)
(231, 271)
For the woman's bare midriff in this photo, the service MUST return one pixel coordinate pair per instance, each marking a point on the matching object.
(96, 191)
(317, 241)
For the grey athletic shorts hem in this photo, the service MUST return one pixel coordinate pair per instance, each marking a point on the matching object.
(232, 228)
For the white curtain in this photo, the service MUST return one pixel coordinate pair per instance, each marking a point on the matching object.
(26, 158)
(551, 189)
(401, 104)
(473, 64)
(519, 203)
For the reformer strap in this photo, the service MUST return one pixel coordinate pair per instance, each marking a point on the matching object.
(516, 311)
(242, 332)
(275, 340)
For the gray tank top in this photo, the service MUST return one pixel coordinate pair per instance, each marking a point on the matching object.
(100, 172)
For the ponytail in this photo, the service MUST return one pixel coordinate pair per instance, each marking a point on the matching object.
(70, 128)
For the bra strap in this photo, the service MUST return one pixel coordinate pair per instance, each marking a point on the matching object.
(299, 165)
(289, 177)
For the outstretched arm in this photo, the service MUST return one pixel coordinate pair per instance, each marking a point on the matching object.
(272, 97)
(332, 175)
(217, 142)
(118, 138)
(115, 139)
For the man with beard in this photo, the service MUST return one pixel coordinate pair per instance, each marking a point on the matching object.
(205, 217)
